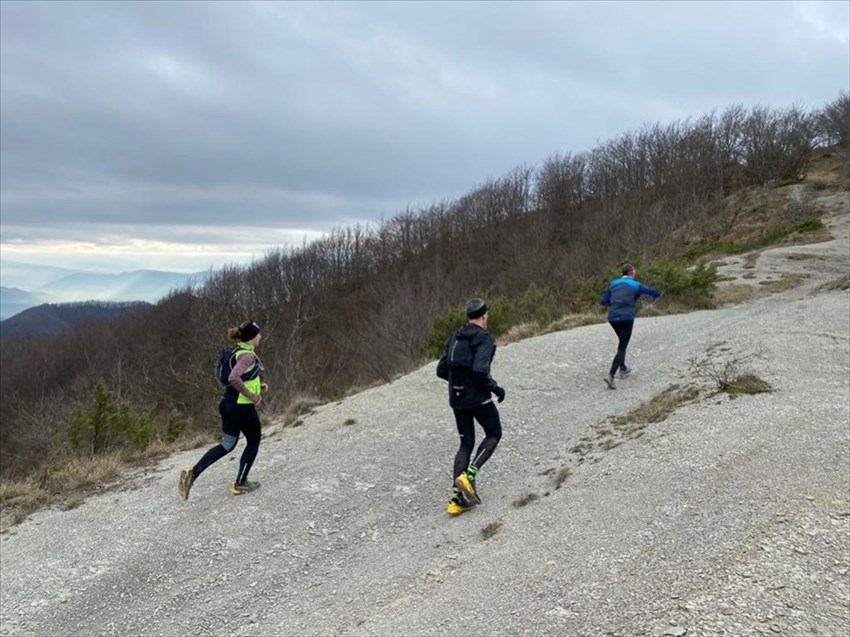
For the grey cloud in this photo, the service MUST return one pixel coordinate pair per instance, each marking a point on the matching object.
(322, 114)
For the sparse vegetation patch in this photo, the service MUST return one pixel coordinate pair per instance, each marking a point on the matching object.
(572, 321)
(525, 499)
(491, 529)
(658, 407)
(783, 284)
(563, 473)
(747, 384)
(798, 256)
(841, 283)
(750, 260)
(733, 294)
(519, 332)
(724, 368)
(610, 443)
(299, 406)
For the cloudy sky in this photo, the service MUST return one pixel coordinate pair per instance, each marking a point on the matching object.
(182, 136)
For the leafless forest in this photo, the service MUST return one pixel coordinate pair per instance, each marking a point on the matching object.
(353, 308)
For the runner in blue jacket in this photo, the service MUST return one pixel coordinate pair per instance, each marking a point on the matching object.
(620, 297)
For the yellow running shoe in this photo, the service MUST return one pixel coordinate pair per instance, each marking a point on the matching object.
(463, 485)
(455, 508)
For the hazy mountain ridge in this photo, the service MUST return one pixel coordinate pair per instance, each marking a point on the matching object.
(27, 286)
(51, 318)
(30, 276)
(145, 285)
(14, 300)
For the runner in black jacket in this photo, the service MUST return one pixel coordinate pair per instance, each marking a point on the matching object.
(465, 364)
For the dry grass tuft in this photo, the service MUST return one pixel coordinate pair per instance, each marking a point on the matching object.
(750, 260)
(566, 322)
(491, 529)
(659, 406)
(519, 332)
(299, 406)
(841, 283)
(160, 448)
(572, 321)
(526, 499)
(78, 474)
(787, 282)
(799, 256)
(562, 475)
(734, 294)
(609, 443)
(748, 384)
(66, 481)
(807, 238)
(19, 499)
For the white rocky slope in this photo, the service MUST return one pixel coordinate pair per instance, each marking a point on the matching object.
(730, 517)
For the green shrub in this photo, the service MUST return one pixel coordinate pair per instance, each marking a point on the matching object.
(586, 293)
(175, 426)
(772, 235)
(132, 429)
(809, 224)
(445, 323)
(106, 424)
(535, 305)
(692, 286)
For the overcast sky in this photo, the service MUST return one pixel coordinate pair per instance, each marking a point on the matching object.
(182, 136)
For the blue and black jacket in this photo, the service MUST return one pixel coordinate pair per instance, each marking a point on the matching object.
(621, 295)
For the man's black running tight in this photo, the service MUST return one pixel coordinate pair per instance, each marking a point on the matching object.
(624, 335)
(488, 417)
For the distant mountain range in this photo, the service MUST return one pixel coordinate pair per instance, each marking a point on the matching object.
(13, 301)
(51, 318)
(25, 286)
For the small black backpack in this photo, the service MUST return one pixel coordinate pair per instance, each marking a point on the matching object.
(226, 361)
(224, 364)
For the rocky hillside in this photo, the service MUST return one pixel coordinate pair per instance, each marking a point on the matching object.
(723, 517)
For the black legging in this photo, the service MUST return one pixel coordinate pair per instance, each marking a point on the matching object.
(624, 334)
(235, 418)
(488, 417)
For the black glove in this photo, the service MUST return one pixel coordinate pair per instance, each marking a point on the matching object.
(500, 393)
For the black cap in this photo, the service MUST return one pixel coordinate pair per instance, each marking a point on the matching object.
(476, 308)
